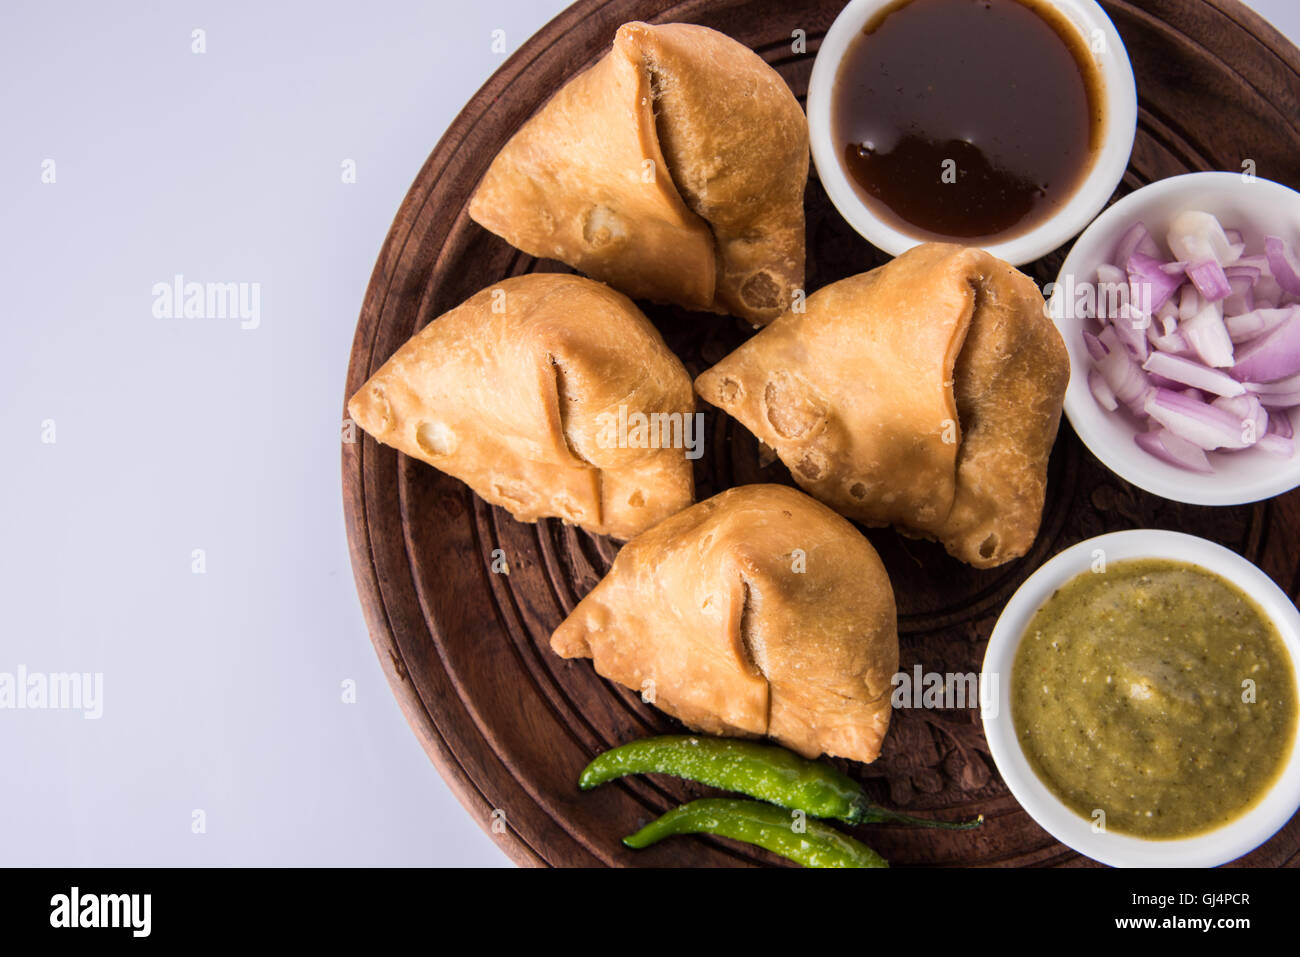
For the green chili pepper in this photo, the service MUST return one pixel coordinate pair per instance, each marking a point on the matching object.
(814, 845)
(762, 771)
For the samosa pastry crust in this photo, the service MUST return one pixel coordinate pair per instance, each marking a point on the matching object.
(517, 392)
(673, 169)
(925, 394)
(756, 612)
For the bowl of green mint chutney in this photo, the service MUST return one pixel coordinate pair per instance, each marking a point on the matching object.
(1140, 700)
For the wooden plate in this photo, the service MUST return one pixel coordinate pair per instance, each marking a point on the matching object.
(507, 722)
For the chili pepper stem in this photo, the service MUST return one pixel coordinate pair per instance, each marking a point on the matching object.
(867, 813)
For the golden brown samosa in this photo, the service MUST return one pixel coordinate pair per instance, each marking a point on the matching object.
(756, 612)
(518, 393)
(673, 169)
(925, 394)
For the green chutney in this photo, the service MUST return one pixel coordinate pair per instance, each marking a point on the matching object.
(1156, 692)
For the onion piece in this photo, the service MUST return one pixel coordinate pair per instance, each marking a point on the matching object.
(1196, 236)
(1149, 277)
(1280, 400)
(1279, 423)
(1154, 285)
(1198, 422)
(1250, 273)
(1259, 262)
(1101, 391)
(1132, 332)
(1113, 275)
(1160, 382)
(1186, 372)
(1168, 317)
(1272, 356)
(1210, 280)
(1189, 303)
(1173, 344)
(1112, 290)
(1274, 444)
(1242, 297)
(1248, 325)
(1096, 348)
(1290, 384)
(1168, 447)
(1250, 414)
(1136, 239)
(1208, 336)
(1124, 376)
(1198, 239)
(1284, 264)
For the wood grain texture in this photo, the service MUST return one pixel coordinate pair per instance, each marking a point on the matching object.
(509, 724)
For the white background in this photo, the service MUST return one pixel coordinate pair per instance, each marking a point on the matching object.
(222, 690)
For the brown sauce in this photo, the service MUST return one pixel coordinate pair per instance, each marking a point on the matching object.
(968, 119)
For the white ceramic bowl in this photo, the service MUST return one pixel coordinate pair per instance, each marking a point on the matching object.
(1091, 196)
(1257, 208)
(1226, 843)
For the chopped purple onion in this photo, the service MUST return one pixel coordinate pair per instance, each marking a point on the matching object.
(1188, 373)
(1204, 346)
(1248, 325)
(1279, 423)
(1208, 336)
(1136, 239)
(1272, 356)
(1168, 447)
(1284, 264)
(1101, 391)
(1200, 423)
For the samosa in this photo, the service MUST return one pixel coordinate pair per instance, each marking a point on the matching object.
(925, 394)
(520, 391)
(758, 612)
(673, 169)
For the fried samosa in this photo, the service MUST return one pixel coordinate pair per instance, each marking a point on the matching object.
(518, 393)
(673, 169)
(925, 394)
(756, 612)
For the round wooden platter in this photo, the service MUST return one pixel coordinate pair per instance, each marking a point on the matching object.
(466, 651)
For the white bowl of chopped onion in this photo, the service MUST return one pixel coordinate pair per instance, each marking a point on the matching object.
(1180, 307)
